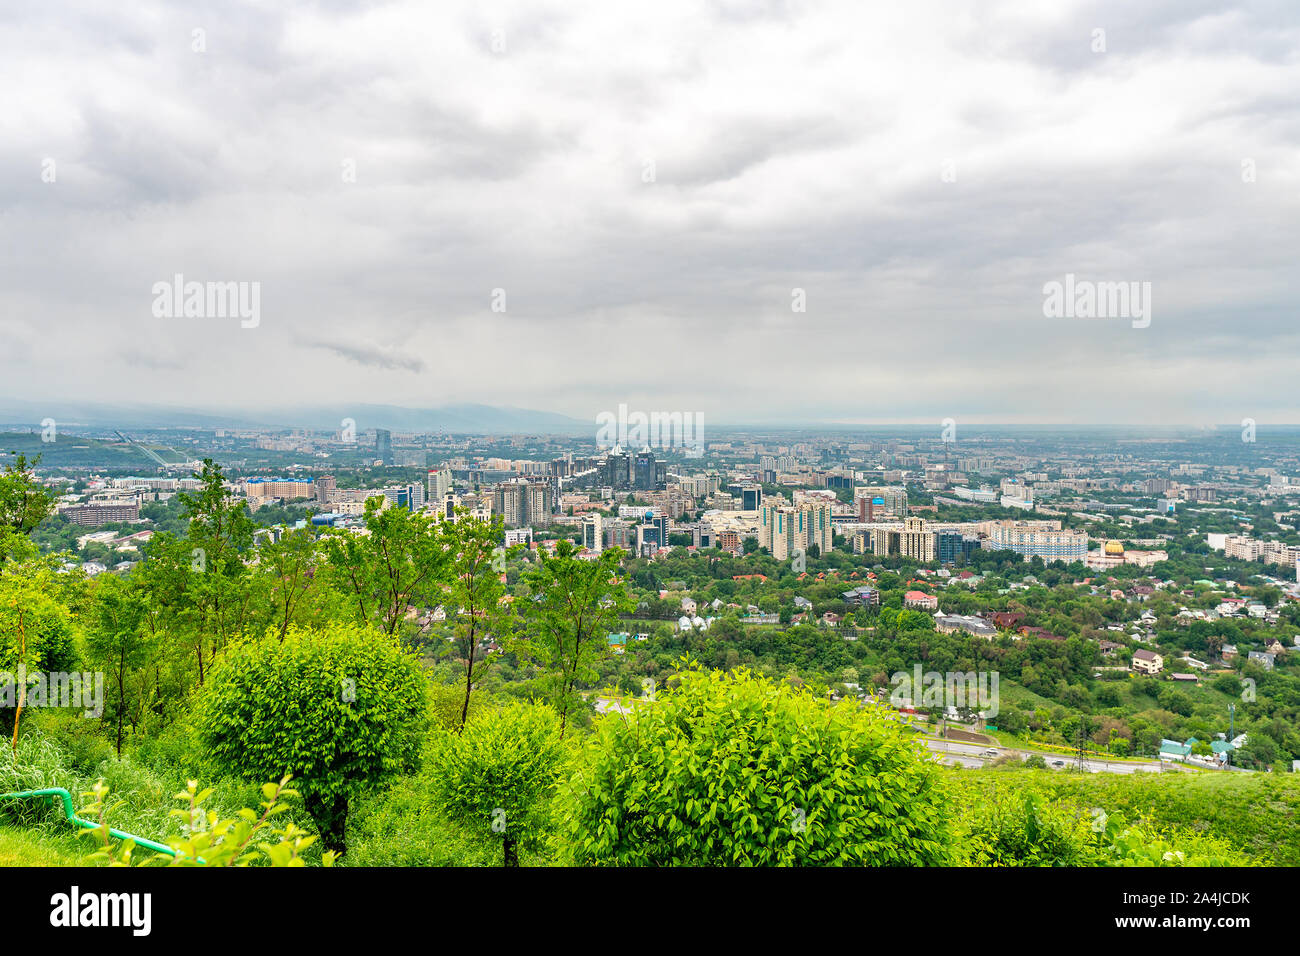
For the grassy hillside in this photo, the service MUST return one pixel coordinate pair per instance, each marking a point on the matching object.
(70, 451)
(1257, 814)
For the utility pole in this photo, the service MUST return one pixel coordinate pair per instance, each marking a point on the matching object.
(1083, 743)
(1227, 754)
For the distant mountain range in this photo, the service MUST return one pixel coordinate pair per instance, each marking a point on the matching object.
(466, 418)
(477, 419)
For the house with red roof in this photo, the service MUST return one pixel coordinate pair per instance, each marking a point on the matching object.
(921, 601)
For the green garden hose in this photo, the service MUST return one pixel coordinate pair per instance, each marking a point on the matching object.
(85, 824)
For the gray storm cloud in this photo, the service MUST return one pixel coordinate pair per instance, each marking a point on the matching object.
(649, 185)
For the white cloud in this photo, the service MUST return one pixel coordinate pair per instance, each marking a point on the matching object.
(793, 145)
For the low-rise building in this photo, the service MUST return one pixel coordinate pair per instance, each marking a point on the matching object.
(975, 626)
(920, 600)
(1148, 662)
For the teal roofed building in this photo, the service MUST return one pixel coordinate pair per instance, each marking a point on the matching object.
(1173, 750)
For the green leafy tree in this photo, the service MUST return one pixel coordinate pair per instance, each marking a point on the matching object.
(499, 774)
(219, 538)
(402, 561)
(285, 574)
(573, 605)
(37, 632)
(24, 503)
(736, 769)
(475, 594)
(341, 709)
(118, 642)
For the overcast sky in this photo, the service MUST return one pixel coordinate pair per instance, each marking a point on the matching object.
(919, 172)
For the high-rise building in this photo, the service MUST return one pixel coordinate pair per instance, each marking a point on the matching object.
(643, 474)
(661, 523)
(885, 542)
(508, 501)
(618, 534)
(953, 547)
(703, 536)
(647, 539)
(593, 534)
(616, 471)
(524, 502)
(817, 530)
(775, 524)
(751, 497)
(286, 488)
(1032, 541)
(410, 497)
(880, 502)
(916, 541)
(384, 445)
(326, 485)
(102, 512)
(788, 529)
(439, 483)
(540, 502)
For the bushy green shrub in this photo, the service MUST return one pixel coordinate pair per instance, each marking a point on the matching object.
(342, 709)
(735, 769)
(403, 826)
(82, 741)
(1040, 818)
(1024, 830)
(499, 774)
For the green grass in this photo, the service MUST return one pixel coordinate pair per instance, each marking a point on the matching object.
(1257, 814)
(1203, 697)
(1012, 693)
(24, 847)
(141, 797)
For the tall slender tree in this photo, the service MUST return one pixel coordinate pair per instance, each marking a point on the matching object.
(118, 642)
(574, 603)
(476, 593)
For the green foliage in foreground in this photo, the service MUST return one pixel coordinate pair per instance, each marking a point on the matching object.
(342, 709)
(1255, 817)
(1025, 828)
(143, 802)
(210, 841)
(712, 760)
(735, 769)
(499, 774)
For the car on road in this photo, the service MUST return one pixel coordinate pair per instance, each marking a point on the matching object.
(991, 753)
(1058, 763)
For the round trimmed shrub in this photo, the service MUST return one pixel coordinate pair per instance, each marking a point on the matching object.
(735, 769)
(342, 709)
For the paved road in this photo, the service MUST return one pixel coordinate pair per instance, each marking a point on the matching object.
(972, 755)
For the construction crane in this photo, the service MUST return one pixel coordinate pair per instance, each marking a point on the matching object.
(153, 454)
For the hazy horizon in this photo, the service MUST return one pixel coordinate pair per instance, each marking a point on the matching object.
(505, 420)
